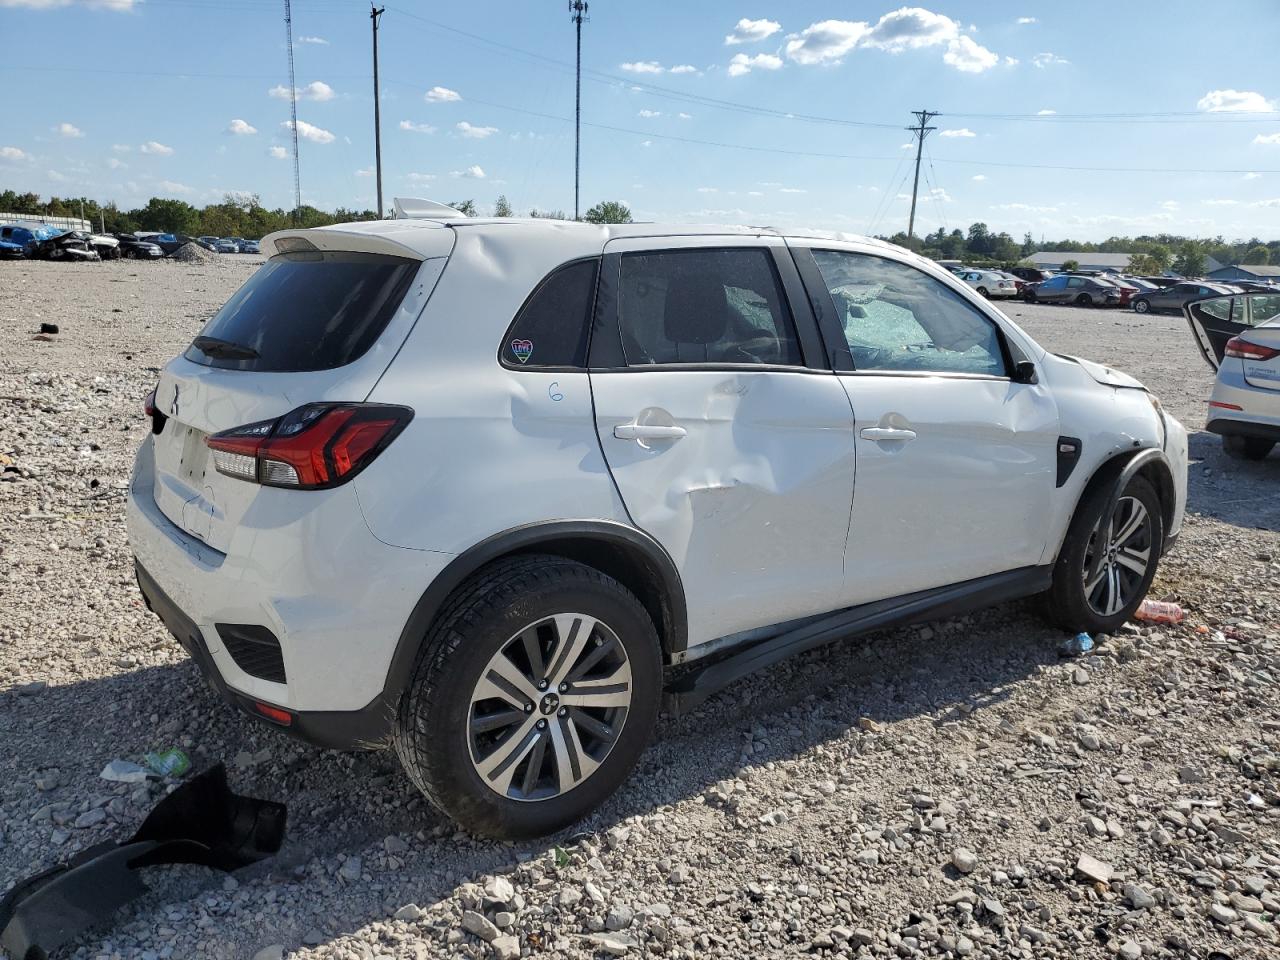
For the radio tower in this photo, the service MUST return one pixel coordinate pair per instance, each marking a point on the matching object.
(579, 8)
(293, 112)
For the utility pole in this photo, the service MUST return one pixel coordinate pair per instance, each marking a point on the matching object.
(921, 131)
(293, 111)
(374, 14)
(579, 8)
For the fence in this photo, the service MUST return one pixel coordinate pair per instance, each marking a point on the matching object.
(66, 223)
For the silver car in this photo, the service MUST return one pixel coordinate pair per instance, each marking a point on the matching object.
(990, 284)
(1240, 336)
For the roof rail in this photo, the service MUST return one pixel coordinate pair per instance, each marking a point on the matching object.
(415, 208)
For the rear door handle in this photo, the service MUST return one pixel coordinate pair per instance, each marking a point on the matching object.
(642, 431)
(887, 433)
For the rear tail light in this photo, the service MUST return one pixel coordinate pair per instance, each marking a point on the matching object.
(314, 447)
(1244, 350)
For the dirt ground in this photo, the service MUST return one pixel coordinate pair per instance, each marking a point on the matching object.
(922, 792)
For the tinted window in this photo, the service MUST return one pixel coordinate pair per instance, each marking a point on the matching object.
(551, 328)
(1263, 307)
(896, 317)
(309, 311)
(704, 306)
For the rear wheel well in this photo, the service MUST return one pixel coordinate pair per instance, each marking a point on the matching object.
(631, 568)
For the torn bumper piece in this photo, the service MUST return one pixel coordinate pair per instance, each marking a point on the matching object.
(201, 822)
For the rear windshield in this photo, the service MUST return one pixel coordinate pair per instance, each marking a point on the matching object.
(306, 311)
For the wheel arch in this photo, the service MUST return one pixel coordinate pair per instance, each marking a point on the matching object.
(1115, 472)
(630, 556)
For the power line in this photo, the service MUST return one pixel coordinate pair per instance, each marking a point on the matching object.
(921, 131)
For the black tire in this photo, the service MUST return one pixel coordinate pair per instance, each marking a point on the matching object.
(983, 291)
(1141, 306)
(434, 735)
(1067, 602)
(1084, 300)
(1247, 448)
(1029, 296)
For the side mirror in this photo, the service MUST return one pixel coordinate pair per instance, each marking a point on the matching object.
(1024, 371)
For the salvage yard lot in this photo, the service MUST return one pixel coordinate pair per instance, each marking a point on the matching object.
(815, 808)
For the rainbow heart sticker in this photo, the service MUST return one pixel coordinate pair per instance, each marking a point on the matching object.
(523, 349)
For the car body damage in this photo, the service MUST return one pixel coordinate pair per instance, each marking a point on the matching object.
(201, 822)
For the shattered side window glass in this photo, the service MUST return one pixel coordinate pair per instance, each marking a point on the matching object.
(896, 317)
(1218, 309)
(1263, 307)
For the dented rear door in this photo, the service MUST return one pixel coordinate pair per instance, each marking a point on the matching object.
(724, 446)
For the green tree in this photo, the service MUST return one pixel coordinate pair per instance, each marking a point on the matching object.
(549, 214)
(1144, 265)
(1070, 266)
(608, 211)
(979, 241)
(1161, 254)
(1028, 244)
(1190, 260)
(502, 208)
(168, 216)
(466, 207)
(1258, 255)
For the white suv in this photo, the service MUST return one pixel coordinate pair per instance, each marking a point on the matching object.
(492, 491)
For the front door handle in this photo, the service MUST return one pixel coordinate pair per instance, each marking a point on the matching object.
(646, 431)
(887, 433)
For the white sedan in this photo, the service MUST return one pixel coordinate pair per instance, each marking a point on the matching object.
(990, 284)
(1240, 335)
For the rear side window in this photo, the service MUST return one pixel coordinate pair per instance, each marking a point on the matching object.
(306, 311)
(704, 306)
(551, 328)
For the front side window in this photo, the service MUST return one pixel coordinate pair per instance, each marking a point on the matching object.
(551, 328)
(702, 306)
(896, 317)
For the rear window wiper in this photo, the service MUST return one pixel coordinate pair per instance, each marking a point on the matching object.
(221, 349)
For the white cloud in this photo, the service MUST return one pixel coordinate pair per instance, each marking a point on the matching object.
(911, 28)
(121, 147)
(319, 41)
(647, 114)
(310, 132)
(708, 189)
(316, 90)
(1234, 101)
(122, 6)
(824, 42)
(1275, 202)
(156, 149)
(646, 143)
(755, 193)
(420, 177)
(907, 146)
(442, 95)
(13, 153)
(57, 177)
(417, 127)
(115, 164)
(978, 177)
(1023, 208)
(365, 172)
(684, 68)
(1220, 203)
(1011, 61)
(969, 57)
(793, 190)
(642, 66)
(473, 132)
(937, 193)
(742, 64)
(472, 173)
(170, 186)
(1046, 113)
(1169, 205)
(1251, 176)
(958, 132)
(752, 31)
(68, 130)
(1267, 138)
(240, 128)
(685, 116)
(279, 153)
(1043, 60)
(1022, 21)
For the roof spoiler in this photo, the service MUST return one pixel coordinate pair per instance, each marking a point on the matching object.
(415, 208)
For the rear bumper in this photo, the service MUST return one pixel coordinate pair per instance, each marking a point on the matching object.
(334, 596)
(1243, 428)
(1259, 415)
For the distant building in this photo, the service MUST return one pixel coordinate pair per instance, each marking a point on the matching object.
(1247, 271)
(1054, 259)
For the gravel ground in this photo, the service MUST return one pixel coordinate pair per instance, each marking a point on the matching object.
(924, 792)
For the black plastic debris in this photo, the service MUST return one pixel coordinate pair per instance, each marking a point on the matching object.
(200, 822)
(48, 328)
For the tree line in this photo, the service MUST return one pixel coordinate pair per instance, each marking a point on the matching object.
(240, 215)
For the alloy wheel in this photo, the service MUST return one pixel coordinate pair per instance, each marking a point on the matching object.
(549, 706)
(1117, 559)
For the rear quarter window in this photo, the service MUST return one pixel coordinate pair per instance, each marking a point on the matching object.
(309, 311)
(550, 331)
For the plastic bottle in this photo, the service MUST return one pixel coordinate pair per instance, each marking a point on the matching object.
(1155, 611)
(1075, 646)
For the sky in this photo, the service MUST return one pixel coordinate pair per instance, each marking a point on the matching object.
(1085, 119)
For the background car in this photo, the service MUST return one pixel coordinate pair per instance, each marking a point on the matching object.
(1082, 291)
(249, 246)
(1174, 297)
(224, 245)
(1030, 274)
(134, 248)
(1240, 336)
(990, 283)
